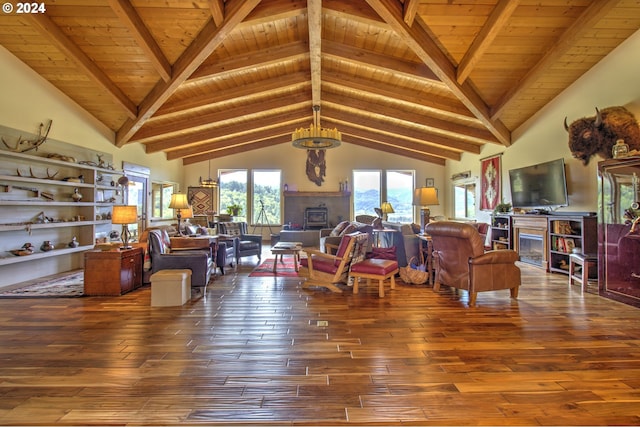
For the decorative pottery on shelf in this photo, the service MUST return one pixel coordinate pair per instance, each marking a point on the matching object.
(46, 246)
(74, 243)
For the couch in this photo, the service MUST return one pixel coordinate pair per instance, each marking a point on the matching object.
(246, 244)
(462, 263)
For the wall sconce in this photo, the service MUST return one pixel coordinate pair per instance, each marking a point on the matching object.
(125, 215)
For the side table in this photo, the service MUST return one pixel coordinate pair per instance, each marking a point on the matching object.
(113, 272)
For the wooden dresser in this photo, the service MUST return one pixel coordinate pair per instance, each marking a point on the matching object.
(112, 272)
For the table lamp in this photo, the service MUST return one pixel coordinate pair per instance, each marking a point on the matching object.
(179, 202)
(425, 197)
(125, 215)
(386, 209)
(186, 215)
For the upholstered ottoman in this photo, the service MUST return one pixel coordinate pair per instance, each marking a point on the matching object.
(170, 287)
(374, 268)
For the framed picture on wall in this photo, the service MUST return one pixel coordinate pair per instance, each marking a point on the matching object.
(430, 182)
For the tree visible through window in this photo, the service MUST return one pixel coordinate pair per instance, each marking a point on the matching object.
(233, 191)
(266, 194)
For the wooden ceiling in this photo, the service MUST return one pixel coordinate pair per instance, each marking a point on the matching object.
(427, 79)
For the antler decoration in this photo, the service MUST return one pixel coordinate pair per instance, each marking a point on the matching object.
(24, 145)
(32, 175)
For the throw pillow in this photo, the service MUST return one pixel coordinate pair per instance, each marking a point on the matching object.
(337, 231)
(350, 228)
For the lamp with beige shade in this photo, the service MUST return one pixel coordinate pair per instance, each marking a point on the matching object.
(425, 197)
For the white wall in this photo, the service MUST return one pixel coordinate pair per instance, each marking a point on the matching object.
(612, 82)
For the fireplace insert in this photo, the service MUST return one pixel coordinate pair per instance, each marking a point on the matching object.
(316, 218)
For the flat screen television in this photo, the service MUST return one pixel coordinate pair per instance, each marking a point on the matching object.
(543, 185)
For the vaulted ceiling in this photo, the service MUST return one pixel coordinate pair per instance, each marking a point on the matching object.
(427, 79)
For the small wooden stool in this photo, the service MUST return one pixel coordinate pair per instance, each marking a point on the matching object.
(585, 262)
(378, 269)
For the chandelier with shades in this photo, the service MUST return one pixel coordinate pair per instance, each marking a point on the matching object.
(316, 137)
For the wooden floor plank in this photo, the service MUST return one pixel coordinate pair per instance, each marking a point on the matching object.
(252, 352)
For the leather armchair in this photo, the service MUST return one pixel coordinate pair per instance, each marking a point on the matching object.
(226, 254)
(200, 262)
(246, 244)
(462, 263)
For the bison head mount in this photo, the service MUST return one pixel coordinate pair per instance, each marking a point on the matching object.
(589, 136)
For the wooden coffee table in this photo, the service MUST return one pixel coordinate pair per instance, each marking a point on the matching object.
(286, 248)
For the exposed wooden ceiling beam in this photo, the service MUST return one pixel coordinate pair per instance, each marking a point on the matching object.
(371, 59)
(247, 91)
(251, 60)
(217, 11)
(410, 8)
(429, 52)
(594, 13)
(380, 146)
(203, 120)
(450, 106)
(497, 20)
(255, 135)
(431, 143)
(128, 16)
(206, 42)
(314, 14)
(49, 29)
(294, 112)
(240, 149)
(459, 135)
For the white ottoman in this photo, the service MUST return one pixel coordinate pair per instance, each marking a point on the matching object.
(170, 287)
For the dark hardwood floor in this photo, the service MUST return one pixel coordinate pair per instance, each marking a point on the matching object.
(257, 351)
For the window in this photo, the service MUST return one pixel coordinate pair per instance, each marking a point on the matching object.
(399, 191)
(160, 198)
(366, 191)
(464, 200)
(266, 195)
(233, 191)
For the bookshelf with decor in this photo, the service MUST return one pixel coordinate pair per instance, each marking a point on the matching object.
(569, 234)
(501, 232)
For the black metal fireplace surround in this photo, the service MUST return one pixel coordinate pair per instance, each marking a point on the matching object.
(316, 217)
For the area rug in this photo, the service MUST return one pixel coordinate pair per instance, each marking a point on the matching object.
(61, 287)
(284, 268)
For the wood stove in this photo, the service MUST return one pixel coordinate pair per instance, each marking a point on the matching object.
(316, 218)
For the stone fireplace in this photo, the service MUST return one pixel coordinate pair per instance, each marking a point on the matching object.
(336, 205)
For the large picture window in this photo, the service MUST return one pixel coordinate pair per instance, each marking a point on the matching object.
(399, 191)
(233, 191)
(464, 200)
(372, 187)
(266, 197)
(366, 191)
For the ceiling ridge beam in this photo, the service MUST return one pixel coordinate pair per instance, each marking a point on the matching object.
(397, 112)
(127, 14)
(584, 22)
(211, 118)
(314, 18)
(252, 60)
(295, 113)
(195, 54)
(497, 20)
(429, 52)
(48, 28)
(248, 91)
(409, 10)
(369, 58)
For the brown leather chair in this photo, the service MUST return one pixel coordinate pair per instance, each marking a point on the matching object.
(462, 263)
